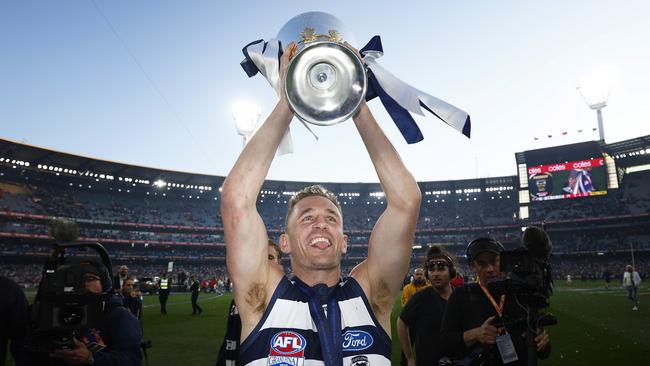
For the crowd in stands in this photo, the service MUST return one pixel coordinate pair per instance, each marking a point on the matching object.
(451, 221)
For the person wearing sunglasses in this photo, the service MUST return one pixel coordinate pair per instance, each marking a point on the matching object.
(422, 315)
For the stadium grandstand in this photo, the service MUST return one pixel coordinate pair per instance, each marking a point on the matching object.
(148, 217)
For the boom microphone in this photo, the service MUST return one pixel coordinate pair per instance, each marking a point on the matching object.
(537, 242)
(64, 231)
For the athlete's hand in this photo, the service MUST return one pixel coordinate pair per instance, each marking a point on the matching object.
(287, 55)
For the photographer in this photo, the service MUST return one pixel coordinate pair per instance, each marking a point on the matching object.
(476, 318)
(116, 341)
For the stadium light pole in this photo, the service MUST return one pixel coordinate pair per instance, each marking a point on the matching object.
(245, 115)
(596, 91)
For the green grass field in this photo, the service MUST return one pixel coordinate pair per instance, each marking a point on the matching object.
(596, 327)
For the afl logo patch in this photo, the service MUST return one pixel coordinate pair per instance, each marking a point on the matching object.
(288, 343)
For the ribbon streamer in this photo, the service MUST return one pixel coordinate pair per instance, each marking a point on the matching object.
(264, 57)
(407, 98)
(399, 98)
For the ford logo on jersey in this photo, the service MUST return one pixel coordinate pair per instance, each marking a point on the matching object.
(288, 343)
(356, 340)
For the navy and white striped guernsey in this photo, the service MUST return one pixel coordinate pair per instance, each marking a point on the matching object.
(287, 336)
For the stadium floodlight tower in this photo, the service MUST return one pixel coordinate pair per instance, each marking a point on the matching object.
(246, 115)
(596, 92)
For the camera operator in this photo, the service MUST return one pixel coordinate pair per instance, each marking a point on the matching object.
(475, 320)
(115, 342)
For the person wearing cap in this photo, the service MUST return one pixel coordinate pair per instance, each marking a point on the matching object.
(420, 320)
(475, 316)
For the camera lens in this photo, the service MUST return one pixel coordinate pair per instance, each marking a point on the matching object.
(71, 316)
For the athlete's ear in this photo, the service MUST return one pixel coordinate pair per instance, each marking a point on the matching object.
(345, 244)
(285, 247)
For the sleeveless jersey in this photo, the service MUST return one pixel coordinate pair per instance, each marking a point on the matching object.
(287, 336)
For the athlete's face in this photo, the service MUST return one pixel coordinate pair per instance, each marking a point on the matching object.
(314, 234)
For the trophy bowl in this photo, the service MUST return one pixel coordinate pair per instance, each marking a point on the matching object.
(326, 81)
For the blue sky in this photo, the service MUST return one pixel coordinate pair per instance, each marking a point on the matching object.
(68, 83)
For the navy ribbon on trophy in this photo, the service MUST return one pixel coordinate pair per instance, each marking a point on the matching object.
(328, 323)
(399, 98)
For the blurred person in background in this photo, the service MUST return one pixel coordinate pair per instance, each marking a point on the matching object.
(122, 275)
(631, 281)
(164, 285)
(131, 298)
(194, 288)
(13, 320)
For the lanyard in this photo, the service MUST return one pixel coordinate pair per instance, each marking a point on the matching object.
(328, 324)
(502, 301)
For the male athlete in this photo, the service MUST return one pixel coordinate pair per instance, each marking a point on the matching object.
(317, 318)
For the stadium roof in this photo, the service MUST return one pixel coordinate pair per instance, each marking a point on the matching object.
(37, 155)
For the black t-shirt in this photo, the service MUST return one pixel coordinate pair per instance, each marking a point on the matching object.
(423, 313)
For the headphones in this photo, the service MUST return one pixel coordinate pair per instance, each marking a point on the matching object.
(446, 258)
(478, 241)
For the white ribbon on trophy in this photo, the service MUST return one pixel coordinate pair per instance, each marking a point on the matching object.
(398, 97)
(266, 57)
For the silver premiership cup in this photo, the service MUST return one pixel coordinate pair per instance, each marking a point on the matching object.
(326, 81)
